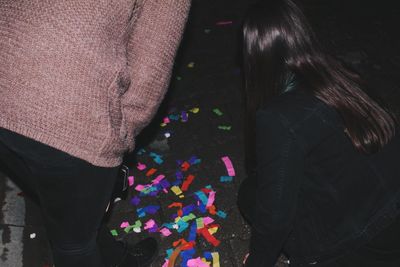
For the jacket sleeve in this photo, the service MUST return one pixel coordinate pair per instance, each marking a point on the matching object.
(280, 168)
(151, 50)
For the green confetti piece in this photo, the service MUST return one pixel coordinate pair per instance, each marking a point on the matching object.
(188, 217)
(179, 78)
(137, 224)
(199, 223)
(129, 229)
(218, 112)
(225, 127)
(207, 31)
(114, 232)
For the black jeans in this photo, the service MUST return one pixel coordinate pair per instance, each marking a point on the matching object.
(72, 194)
(382, 251)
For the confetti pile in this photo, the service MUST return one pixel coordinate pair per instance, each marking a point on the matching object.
(189, 222)
(194, 214)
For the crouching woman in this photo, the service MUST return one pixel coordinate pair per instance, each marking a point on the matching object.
(327, 179)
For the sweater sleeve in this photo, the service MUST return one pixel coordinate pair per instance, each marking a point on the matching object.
(280, 168)
(151, 50)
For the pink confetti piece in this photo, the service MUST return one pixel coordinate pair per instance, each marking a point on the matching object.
(141, 166)
(131, 180)
(140, 187)
(166, 120)
(166, 263)
(149, 224)
(224, 23)
(165, 232)
(158, 179)
(208, 220)
(211, 199)
(197, 262)
(228, 165)
(124, 224)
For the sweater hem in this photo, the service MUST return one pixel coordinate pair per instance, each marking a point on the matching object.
(74, 150)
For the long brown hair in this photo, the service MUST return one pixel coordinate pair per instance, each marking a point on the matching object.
(279, 44)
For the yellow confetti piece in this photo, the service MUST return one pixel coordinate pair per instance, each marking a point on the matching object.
(215, 256)
(213, 230)
(205, 261)
(177, 191)
(195, 110)
(191, 65)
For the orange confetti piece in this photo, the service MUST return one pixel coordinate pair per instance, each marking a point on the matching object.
(151, 172)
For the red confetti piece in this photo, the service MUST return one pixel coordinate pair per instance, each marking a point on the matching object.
(188, 245)
(206, 190)
(179, 242)
(210, 238)
(187, 182)
(177, 205)
(185, 166)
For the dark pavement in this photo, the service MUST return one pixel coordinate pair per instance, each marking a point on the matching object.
(207, 77)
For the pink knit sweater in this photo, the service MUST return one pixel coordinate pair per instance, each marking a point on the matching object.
(86, 76)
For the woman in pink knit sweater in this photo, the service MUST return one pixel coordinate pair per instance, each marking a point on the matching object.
(78, 81)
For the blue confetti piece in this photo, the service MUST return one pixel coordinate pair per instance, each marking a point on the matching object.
(182, 226)
(187, 255)
(198, 161)
(202, 208)
(168, 225)
(157, 158)
(177, 182)
(193, 232)
(225, 179)
(208, 255)
(192, 160)
(221, 214)
(202, 197)
(141, 152)
(174, 117)
(169, 252)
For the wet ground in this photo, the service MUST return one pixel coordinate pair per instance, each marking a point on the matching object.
(204, 126)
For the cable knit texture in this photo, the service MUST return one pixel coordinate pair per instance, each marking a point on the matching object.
(86, 76)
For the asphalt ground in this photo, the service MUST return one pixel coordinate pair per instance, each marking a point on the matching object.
(204, 108)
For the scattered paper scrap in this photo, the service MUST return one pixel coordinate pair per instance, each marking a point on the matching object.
(218, 112)
(229, 166)
(225, 127)
(224, 23)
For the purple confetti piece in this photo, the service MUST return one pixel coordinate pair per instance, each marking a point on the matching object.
(188, 209)
(152, 209)
(184, 116)
(179, 175)
(135, 201)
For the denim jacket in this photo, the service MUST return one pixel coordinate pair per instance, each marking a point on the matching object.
(317, 197)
